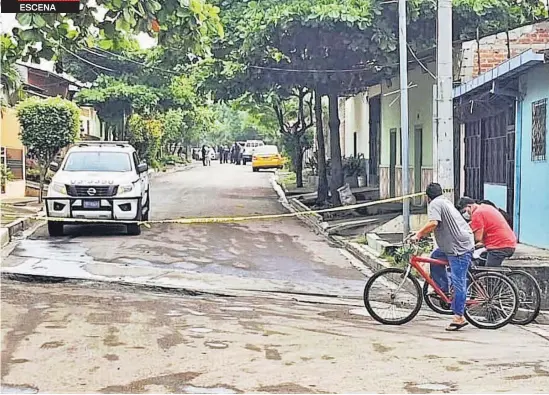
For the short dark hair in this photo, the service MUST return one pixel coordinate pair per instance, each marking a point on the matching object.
(464, 202)
(433, 190)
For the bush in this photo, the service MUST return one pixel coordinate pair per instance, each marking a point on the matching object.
(47, 125)
(145, 134)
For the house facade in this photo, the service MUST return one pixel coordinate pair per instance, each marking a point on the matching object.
(472, 59)
(503, 121)
(532, 176)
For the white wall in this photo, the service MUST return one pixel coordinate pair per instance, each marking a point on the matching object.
(357, 121)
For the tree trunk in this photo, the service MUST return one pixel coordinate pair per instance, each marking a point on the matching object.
(43, 168)
(298, 163)
(322, 190)
(337, 166)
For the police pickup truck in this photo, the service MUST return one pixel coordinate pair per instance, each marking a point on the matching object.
(99, 180)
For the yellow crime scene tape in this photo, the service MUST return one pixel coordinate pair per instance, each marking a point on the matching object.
(211, 220)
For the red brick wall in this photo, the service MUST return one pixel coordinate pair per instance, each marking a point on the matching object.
(493, 50)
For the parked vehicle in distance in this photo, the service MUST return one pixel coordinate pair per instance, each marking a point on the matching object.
(196, 153)
(267, 157)
(100, 180)
(249, 149)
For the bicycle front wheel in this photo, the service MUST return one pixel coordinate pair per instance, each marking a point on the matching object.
(492, 300)
(392, 297)
(529, 294)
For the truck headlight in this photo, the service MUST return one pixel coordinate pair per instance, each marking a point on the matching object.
(59, 188)
(125, 189)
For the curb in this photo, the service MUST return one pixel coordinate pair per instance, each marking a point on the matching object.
(176, 169)
(8, 232)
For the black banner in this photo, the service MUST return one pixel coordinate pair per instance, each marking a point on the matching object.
(40, 6)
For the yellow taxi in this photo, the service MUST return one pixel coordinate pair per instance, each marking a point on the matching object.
(267, 157)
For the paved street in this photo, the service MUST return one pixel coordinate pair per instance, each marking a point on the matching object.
(252, 309)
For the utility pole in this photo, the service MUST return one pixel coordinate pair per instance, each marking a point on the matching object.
(445, 109)
(403, 62)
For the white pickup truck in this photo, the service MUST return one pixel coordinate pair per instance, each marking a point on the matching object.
(100, 180)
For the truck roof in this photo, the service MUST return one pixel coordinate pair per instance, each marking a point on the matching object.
(120, 146)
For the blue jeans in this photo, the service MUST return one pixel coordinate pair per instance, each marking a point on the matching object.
(459, 266)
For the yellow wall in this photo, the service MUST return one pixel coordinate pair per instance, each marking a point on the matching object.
(10, 129)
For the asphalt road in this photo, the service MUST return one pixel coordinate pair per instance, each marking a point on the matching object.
(279, 253)
(278, 328)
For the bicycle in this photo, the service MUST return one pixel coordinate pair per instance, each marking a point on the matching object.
(529, 291)
(492, 299)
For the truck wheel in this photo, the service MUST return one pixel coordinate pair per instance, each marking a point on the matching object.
(146, 216)
(135, 229)
(255, 169)
(55, 228)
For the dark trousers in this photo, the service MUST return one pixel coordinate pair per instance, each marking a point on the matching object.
(494, 258)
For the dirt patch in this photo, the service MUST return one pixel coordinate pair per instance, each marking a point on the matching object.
(111, 357)
(428, 388)
(21, 360)
(288, 388)
(49, 345)
(253, 347)
(172, 382)
(168, 341)
(380, 348)
(111, 339)
(115, 317)
(327, 358)
(273, 354)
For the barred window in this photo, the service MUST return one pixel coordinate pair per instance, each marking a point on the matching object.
(539, 130)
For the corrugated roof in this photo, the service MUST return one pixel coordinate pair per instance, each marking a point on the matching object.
(507, 69)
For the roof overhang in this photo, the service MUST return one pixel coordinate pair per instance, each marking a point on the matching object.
(508, 69)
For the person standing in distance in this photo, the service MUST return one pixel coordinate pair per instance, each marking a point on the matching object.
(455, 243)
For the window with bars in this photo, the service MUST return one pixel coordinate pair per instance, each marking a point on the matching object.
(539, 130)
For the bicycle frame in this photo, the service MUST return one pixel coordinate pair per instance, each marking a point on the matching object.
(415, 263)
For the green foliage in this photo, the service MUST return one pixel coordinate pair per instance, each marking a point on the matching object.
(173, 122)
(354, 166)
(10, 77)
(111, 98)
(186, 25)
(5, 175)
(47, 126)
(145, 134)
(401, 256)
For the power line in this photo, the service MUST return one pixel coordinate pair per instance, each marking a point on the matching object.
(86, 61)
(128, 59)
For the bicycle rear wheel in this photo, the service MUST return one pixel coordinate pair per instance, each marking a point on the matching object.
(392, 297)
(433, 300)
(492, 300)
(529, 294)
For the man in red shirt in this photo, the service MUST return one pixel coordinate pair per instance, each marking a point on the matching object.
(490, 228)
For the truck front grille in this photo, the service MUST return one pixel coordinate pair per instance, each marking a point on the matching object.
(88, 191)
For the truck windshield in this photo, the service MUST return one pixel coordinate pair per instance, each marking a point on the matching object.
(98, 161)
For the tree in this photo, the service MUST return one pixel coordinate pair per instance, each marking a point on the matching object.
(145, 134)
(323, 187)
(10, 77)
(47, 126)
(186, 25)
(341, 48)
(115, 101)
(294, 124)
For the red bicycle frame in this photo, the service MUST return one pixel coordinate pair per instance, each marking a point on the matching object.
(415, 263)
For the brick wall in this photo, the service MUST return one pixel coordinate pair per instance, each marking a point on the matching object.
(493, 50)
